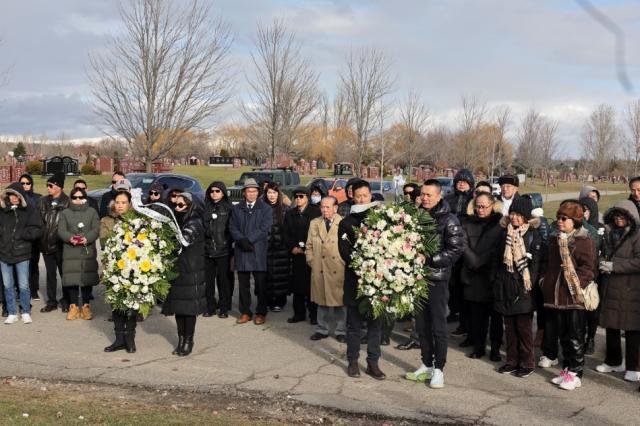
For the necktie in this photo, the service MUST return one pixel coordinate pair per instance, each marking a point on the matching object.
(250, 205)
(327, 223)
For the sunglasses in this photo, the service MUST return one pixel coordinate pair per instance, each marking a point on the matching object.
(562, 218)
(25, 183)
(81, 187)
(154, 193)
(113, 182)
(300, 195)
(51, 185)
(408, 193)
(181, 205)
(216, 190)
(77, 197)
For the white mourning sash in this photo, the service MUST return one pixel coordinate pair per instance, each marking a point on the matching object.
(169, 217)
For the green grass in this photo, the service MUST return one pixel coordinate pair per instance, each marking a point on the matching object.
(606, 201)
(537, 186)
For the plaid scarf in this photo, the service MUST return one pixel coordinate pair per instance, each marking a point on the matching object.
(515, 253)
(569, 271)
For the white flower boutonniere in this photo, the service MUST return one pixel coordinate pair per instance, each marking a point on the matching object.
(80, 225)
(301, 244)
(214, 216)
(344, 236)
(601, 231)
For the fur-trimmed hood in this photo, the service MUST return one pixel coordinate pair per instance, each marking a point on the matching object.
(628, 209)
(13, 189)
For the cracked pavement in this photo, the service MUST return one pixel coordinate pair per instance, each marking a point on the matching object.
(280, 361)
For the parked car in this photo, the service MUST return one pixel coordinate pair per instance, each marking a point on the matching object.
(447, 185)
(332, 186)
(167, 180)
(375, 186)
(287, 179)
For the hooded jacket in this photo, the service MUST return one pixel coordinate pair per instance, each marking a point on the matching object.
(538, 211)
(452, 241)
(187, 293)
(458, 201)
(585, 190)
(278, 259)
(20, 227)
(50, 210)
(593, 225)
(31, 197)
(216, 222)
(620, 303)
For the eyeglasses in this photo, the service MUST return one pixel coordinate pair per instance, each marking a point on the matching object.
(216, 190)
(78, 197)
(25, 183)
(154, 193)
(562, 218)
(479, 207)
(300, 195)
(181, 205)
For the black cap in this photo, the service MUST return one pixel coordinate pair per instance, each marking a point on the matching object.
(301, 190)
(509, 179)
(523, 206)
(57, 179)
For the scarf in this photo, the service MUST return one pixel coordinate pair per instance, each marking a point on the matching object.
(359, 208)
(569, 271)
(515, 253)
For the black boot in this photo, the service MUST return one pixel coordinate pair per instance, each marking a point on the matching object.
(188, 346)
(590, 347)
(130, 341)
(118, 326)
(180, 347)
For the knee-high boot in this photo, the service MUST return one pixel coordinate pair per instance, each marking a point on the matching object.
(130, 333)
(118, 326)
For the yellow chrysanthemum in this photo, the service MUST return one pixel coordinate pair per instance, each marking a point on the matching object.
(132, 253)
(142, 236)
(127, 236)
(121, 264)
(145, 265)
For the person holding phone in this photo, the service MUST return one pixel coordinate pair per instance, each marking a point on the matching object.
(78, 229)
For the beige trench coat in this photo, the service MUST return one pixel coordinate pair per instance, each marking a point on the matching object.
(327, 267)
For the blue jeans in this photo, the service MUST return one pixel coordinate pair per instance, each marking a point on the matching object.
(22, 271)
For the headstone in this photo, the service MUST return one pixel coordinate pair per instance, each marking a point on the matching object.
(5, 174)
(57, 164)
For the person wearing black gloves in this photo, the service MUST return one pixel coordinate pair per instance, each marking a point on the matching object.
(250, 224)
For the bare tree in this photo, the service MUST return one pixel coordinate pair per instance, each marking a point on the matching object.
(599, 136)
(549, 145)
(528, 152)
(415, 117)
(470, 122)
(502, 122)
(165, 76)
(284, 89)
(365, 81)
(632, 135)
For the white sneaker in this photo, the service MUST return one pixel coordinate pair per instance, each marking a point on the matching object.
(26, 319)
(560, 377)
(546, 362)
(421, 375)
(570, 382)
(632, 376)
(11, 319)
(606, 368)
(437, 379)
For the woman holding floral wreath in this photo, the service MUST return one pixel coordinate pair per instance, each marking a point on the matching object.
(78, 229)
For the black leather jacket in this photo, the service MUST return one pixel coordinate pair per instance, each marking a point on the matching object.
(216, 224)
(49, 212)
(452, 241)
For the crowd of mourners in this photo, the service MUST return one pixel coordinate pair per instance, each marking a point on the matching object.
(499, 265)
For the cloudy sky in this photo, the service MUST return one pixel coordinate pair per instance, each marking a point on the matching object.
(550, 55)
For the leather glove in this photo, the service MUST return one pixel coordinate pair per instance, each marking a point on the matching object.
(606, 267)
(245, 245)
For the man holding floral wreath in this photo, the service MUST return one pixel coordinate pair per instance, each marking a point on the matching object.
(431, 321)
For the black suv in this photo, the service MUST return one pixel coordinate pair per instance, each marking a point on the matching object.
(167, 180)
(287, 179)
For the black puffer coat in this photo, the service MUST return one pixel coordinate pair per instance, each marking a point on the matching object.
(457, 200)
(216, 223)
(345, 247)
(296, 231)
(510, 297)
(50, 210)
(452, 241)
(278, 259)
(480, 254)
(19, 227)
(187, 293)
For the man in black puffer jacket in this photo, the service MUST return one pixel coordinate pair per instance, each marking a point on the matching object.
(217, 248)
(431, 321)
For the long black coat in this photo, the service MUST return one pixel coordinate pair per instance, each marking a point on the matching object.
(510, 297)
(187, 293)
(296, 231)
(216, 224)
(19, 228)
(278, 260)
(479, 260)
(346, 241)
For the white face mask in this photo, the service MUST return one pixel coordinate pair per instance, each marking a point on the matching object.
(315, 199)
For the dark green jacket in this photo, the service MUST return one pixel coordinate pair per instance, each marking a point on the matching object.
(79, 263)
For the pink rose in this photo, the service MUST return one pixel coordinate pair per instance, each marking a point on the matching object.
(384, 299)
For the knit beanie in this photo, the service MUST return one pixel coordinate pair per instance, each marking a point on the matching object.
(57, 179)
(522, 206)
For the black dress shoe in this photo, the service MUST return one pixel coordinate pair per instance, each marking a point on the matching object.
(64, 309)
(318, 336)
(294, 320)
(458, 332)
(223, 315)
(465, 343)
(341, 338)
(476, 355)
(48, 308)
(207, 314)
(409, 344)
(384, 341)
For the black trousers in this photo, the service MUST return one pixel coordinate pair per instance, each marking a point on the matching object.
(217, 272)
(186, 325)
(74, 292)
(431, 325)
(302, 303)
(260, 289)
(355, 321)
(631, 350)
(122, 322)
(550, 339)
(34, 271)
(569, 327)
(53, 265)
(484, 319)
